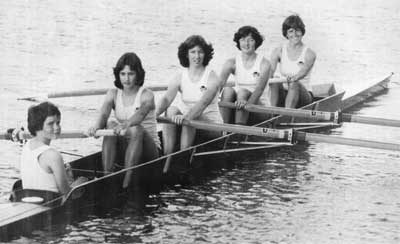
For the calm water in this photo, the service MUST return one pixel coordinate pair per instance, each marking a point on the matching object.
(319, 194)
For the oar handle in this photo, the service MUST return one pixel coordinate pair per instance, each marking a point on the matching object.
(82, 134)
(275, 80)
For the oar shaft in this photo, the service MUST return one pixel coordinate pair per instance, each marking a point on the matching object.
(93, 92)
(77, 93)
(303, 136)
(20, 135)
(82, 134)
(370, 120)
(336, 117)
(84, 92)
(285, 134)
(318, 115)
(241, 129)
(87, 92)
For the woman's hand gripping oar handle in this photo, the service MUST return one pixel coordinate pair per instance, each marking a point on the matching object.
(20, 135)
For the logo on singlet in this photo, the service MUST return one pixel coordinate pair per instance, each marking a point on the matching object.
(256, 74)
(203, 88)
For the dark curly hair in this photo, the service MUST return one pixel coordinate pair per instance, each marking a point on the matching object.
(295, 22)
(37, 114)
(133, 61)
(245, 31)
(191, 42)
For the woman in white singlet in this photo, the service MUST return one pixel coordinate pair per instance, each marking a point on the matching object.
(135, 120)
(251, 71)
(198, 86)
(42, 167)
(295, 63)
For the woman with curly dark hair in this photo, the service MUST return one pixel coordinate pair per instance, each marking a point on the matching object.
(251, 71)
(198, 86)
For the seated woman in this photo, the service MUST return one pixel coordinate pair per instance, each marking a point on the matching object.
(296, 61)
(198, 86)
(135, 122)
(42, 166)
(251, 71)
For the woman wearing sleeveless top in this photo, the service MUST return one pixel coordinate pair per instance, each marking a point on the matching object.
(42, 166)
(134, 122)
(251, 71)
(296, 61)
(198, 86)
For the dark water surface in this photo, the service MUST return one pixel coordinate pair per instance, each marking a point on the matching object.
(315, 193)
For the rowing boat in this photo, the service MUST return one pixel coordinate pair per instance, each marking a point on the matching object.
(102, 192)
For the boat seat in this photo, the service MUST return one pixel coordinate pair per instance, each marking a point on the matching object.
(323, 90)
(18, 194)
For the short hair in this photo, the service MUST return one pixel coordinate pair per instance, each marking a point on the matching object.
(295, 22)
(245, 31)
(191, 42)
(133, 61)
(37, 114)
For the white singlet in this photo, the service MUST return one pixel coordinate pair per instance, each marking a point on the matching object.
(123, 113)
(32, 174)
(191, 93)
(289, 67)
(247, 78)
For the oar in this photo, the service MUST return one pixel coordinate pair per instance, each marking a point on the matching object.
(83, 92)
(21, 135)
(101, 91)
(335, 117)
(287, 134)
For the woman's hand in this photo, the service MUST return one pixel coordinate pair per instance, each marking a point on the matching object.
(291, 79)
(92, 131)
(178, 119)
(78, 192)
(121, 129)
(70, 176)
(80, 180)
(240, 104)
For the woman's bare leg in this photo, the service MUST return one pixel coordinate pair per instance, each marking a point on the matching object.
(228, 95)
(242, 116)
(133, 151)
(109, 150)
(297, 92)
(275, 94)
(187, 136)
(170, 136)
